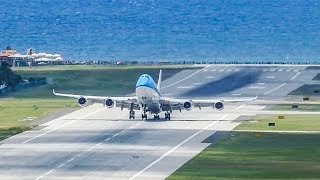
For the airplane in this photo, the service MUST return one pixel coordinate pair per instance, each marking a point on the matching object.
(148, 98)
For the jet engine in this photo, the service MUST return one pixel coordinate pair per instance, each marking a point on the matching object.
(187, 105)
(109, 103)
(219, 106)
(82, 101)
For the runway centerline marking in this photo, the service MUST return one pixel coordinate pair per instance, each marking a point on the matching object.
(185, 77)
(180, 144)
(276, 88)
(63, 125)
(295, 76)
(85, 151)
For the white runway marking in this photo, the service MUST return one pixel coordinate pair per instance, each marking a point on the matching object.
(168, 94)
(270, 77)
(185, 78)
(295, 76)
(288, 70)
(180, 144)
(197, 83)
(210, 77)
(278, 87)
(212, 70)
(256, 87)
(280, 70)
(173, 149)
(63, 125)
(185, 87)
(85, 151)
(220, 70)
(236, 94)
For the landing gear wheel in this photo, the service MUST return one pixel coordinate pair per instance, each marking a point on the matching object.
(156, 117)
(144, 116)
(131, 115)
(131, 112)
(167, 116)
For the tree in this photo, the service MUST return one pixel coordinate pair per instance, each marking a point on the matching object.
(9, 48)
(8, 76)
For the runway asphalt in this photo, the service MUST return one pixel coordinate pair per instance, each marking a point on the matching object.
(217, 81)
(101, 143)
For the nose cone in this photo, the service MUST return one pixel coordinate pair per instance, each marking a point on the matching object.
(145, 80)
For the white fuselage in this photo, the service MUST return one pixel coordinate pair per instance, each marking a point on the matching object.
(149, 98)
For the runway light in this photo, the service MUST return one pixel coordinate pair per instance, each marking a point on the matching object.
(280, 117)
(272, 124)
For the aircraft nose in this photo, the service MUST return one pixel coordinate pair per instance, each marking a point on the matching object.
(143, 81)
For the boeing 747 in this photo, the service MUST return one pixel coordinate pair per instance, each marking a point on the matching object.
(148, 98)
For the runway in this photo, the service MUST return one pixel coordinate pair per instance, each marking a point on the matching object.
(101, 143)
(216, 81)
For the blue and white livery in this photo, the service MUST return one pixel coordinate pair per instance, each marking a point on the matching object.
(148, 98)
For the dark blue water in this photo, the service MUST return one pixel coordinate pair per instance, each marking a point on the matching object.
(225, 30)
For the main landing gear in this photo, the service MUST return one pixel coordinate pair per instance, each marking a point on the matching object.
(167, 116)
(131, 114)
(144, 116)
(156, 116)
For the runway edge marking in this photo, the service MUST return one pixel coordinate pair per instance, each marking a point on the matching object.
(295, 76)
(176, 147)
(186, 77)
(63, 125)
(83, 152)
(276, 88)
(180, 144)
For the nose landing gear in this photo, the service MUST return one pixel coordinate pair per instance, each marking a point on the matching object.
(167, 116)
(131, 114)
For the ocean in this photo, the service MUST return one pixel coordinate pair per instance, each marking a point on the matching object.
(163, 30)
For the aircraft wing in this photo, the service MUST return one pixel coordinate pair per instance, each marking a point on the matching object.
(178, 104)
(122, 102)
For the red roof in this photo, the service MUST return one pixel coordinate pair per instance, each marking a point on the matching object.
(7, 53)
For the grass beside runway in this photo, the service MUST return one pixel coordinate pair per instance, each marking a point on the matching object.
(257, 155)
(304, 107)
(97, 81)
(244, 155)
(104, 67)
(303, 122)
(19, 110)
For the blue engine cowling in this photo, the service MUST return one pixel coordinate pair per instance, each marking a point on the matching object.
(109, 103)
(187, 105)
(82, 101)
(219, 106)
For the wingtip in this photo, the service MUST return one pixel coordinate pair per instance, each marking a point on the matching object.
(53, 91)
